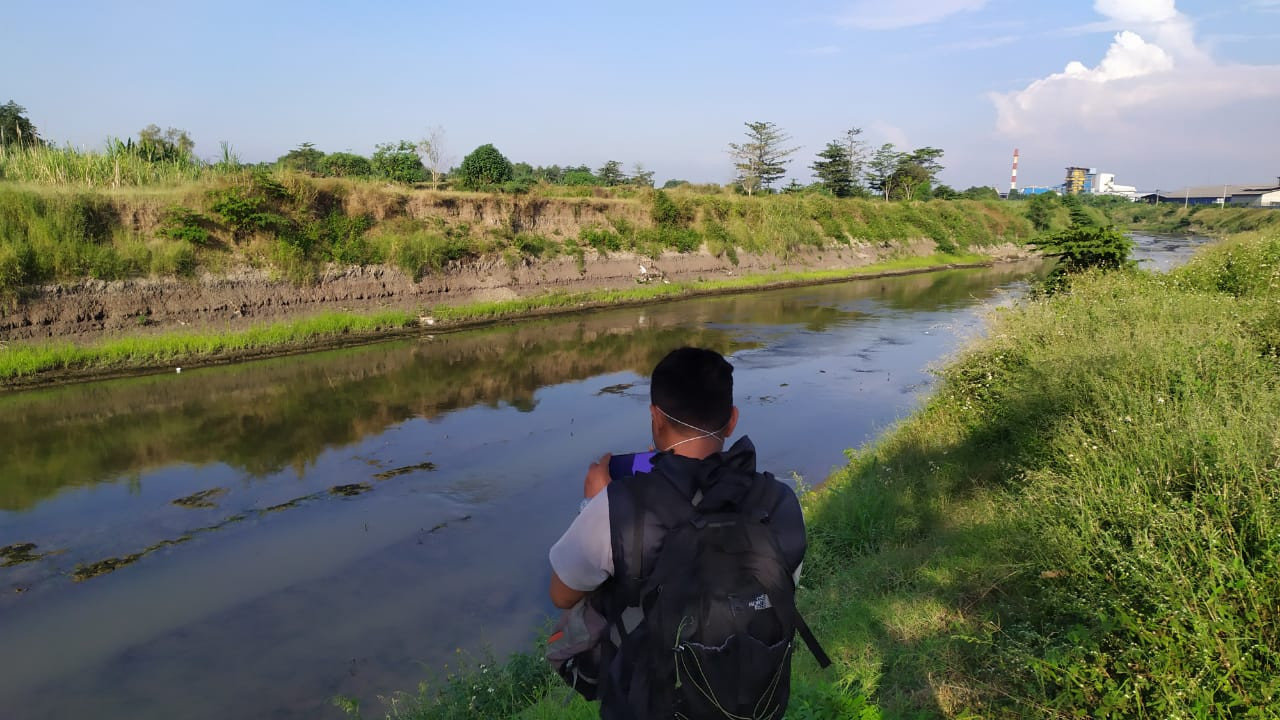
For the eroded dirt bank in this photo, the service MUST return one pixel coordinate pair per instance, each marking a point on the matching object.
(91, 309)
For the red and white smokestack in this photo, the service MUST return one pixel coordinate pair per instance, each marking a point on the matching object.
(1013, 180)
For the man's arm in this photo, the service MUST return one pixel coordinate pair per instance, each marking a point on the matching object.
(563, 596)
(584, 554)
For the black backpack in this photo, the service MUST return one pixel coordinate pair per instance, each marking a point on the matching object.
(719, 615)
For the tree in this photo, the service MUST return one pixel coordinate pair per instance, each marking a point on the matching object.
(762, 160)
(980, 192)
(553, 174)
(840, 164)
(640, 176)
(434, 154)
(945, 192)
(580, 175)
(158, 145)
(523, 172)
(304, 158)
(915, 174)
(1083, 247)
(881, 167)
(909, 181)
(16, 128)
(484, 166)
(344, 164)
(399, 162)
(673, 183)
(926, 158)
(1040, 209)
(834, 169)
(610, 174)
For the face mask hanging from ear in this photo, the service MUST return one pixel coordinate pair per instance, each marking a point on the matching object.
(705, 433)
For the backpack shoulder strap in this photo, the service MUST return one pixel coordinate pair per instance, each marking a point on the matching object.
(763, 497)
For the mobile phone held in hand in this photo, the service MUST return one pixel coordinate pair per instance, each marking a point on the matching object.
(629, 464)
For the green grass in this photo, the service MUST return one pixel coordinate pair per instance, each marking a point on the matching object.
(26, 360)
(1082, 521)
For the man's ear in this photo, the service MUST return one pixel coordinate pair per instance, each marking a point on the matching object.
(733, 422)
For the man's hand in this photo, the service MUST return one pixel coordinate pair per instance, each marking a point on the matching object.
(597, 477)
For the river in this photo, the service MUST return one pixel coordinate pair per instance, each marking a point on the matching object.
(249, 541)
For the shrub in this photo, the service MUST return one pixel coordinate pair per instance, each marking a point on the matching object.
(181, 223)
(245, 211)
(342, 164)
(665, 212)
(602, 239)
(17, 266)
(484, 166)
(398, 162)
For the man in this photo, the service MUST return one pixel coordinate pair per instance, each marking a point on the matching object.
(614, 549)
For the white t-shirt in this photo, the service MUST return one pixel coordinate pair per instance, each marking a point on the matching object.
(583, 557)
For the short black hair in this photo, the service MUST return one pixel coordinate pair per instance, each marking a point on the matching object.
(694, 385)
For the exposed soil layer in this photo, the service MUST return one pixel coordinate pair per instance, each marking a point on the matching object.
(90, 310)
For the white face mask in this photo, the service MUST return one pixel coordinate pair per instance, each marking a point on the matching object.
(705, 433)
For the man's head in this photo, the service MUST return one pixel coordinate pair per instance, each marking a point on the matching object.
(691, 392)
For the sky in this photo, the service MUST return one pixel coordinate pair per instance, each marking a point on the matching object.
(1163, 93)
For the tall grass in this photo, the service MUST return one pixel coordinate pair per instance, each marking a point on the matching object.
(113, 167)
(1083, 521)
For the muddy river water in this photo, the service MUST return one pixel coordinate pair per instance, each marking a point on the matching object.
(250, 541)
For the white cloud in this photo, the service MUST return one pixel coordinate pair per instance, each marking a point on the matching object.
(886, 15)
(1154, 99)
(1137, 11)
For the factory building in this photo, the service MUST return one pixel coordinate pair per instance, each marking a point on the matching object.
(1077, 180)
(1105, 184)
(1260, 195)
(1091, 182)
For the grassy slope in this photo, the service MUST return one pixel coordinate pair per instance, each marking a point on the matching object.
(1171, 217)
(1082, 521)
(296, 225)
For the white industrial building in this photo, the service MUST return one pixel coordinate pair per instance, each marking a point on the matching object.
(1264, 196)
(1105, 184)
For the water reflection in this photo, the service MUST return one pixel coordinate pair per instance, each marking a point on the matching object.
(263, 417)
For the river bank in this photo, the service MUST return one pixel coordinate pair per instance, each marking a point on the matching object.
(152, 348)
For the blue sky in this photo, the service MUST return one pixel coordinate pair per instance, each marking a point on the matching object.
(1160, 94)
